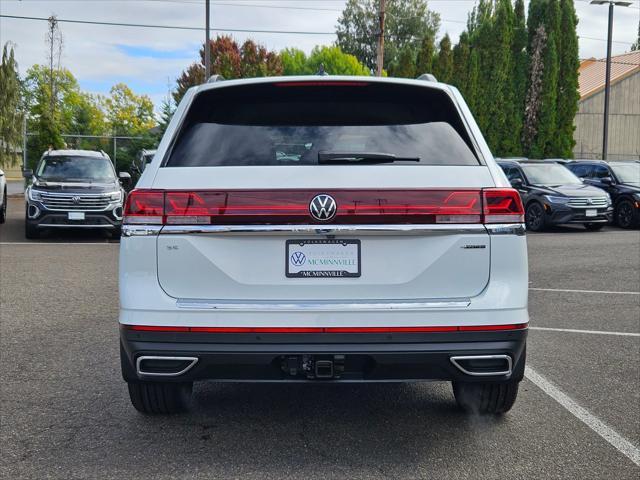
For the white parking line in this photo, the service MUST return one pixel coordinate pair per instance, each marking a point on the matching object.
(595, 332)
(620, 443)
(582, 291)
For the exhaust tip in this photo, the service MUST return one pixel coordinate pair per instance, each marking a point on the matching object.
(483, 365)
(159, 366)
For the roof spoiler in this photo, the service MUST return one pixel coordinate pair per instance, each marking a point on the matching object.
(428, 77)
(215, 78)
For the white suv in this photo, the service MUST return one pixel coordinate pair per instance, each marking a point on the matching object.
(323, 229)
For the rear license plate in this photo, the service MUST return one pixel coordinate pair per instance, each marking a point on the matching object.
(322, 258)
(76, 215)
(591, 213)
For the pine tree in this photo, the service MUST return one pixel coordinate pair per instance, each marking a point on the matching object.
(519, 76)
(443, 68)
(406, 67)
(568, 96)
(546, 13)
(10, 111)
(499, 76)
(424, 60)
(461, 64)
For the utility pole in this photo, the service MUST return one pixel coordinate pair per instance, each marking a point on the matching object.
(607, 79)
(207, 48)
(380, 55)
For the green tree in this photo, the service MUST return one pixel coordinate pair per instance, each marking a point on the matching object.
(568, 96)
(407, 23)
(192, 76)
(128, 113)
(167, 109)
(49, 124)
(546, 13)
(406, 67)
(424, 58)
(443, 65)
(461, 64)
(519, 77)
(294, 61)
(335, 62)
(10, 108)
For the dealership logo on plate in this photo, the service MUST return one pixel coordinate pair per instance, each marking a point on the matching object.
(298, 258)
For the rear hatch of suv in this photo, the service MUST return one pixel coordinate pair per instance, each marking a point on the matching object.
(308, 191)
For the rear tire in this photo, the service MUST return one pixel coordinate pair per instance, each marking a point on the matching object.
(31, 231)
(594, 227)
(3, 208)
(534, 217)
(627, 215)
(486, 398)
(160, 397)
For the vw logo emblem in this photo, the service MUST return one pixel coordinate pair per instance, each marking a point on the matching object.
(589, 201)
(298, 258)
(75, 200)
(323, 207)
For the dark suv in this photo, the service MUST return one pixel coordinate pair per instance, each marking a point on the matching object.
(620, 179)
(74, 189)
(552, 195)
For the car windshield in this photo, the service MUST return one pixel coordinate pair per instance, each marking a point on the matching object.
(627, 172)
(75, 168)
(549, 174)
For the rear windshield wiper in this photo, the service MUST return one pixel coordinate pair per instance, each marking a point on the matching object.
(347, 158)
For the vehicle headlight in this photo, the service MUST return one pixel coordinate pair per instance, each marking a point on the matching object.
(35, 195)
(115, 196)
(552, 199)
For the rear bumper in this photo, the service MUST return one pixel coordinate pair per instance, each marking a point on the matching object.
(292, 357)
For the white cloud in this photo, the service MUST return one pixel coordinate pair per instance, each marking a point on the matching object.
(94, 54)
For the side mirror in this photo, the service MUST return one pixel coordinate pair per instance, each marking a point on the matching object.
(517, 183)
(606, 180)
(125, 177)
(27, 173)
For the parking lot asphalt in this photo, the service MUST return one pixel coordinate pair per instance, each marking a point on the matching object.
(65, 411)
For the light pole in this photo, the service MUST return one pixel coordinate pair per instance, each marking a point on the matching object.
(607, 80)
(207, 50)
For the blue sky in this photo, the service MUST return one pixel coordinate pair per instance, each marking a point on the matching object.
(147, 59)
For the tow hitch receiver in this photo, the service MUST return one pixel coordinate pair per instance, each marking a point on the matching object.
(313, 367)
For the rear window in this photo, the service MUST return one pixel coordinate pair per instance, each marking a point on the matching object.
(300, 123)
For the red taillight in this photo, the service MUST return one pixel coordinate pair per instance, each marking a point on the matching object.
(145, 207)
(251, 207)
(502, 205)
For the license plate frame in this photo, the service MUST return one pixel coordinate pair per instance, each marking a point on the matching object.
(76, 216)
(328, 273)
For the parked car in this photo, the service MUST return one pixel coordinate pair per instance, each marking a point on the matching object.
(74, 189)
(342, 230)
(620, 179)
(552, 195)
(140, 163)
(3, 197)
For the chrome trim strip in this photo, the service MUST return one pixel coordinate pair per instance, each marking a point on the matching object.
(140, 359)
(436, 229)
(507, 229)
(196, 304)
(140, 230)
(71, 225)
(456, 359)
